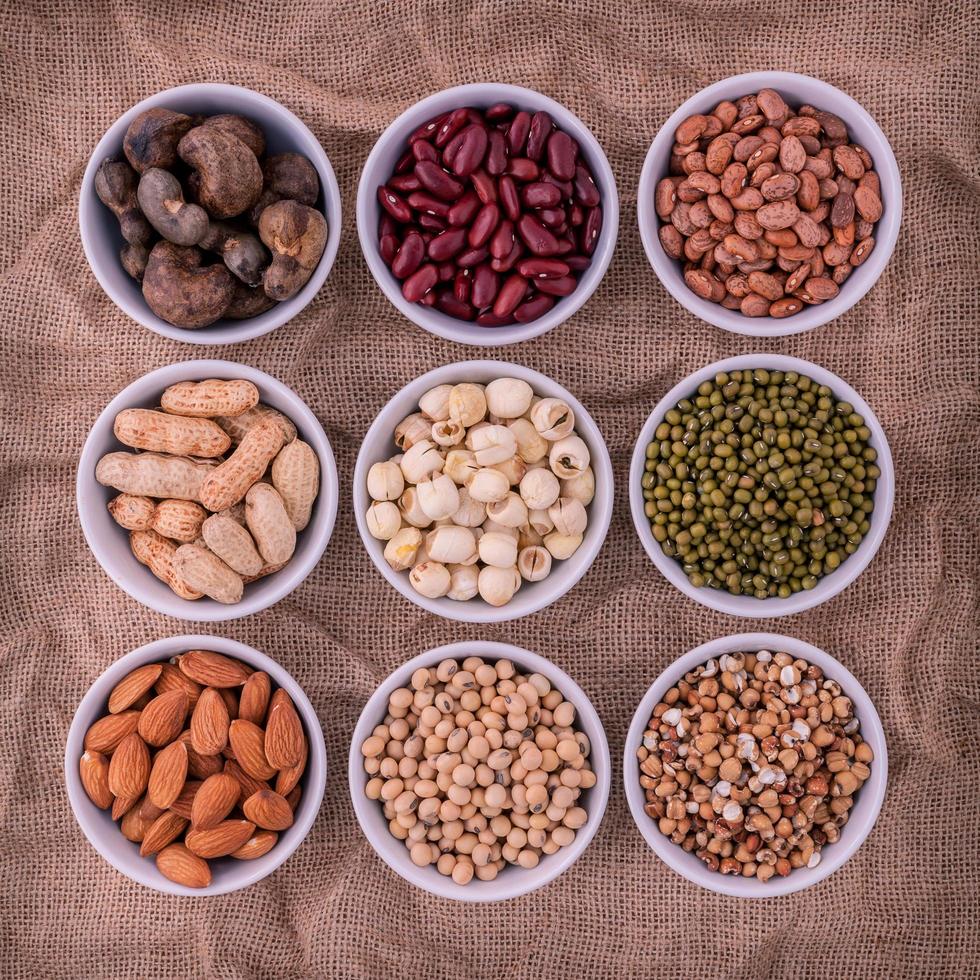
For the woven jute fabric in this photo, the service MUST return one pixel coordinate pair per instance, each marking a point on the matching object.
(905, 905)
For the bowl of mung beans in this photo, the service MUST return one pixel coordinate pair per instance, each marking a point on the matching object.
(755, 765)
(479, 771)
(762, 485)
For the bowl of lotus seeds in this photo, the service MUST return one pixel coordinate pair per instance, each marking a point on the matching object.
(762, 485)
(756, 765)
(483, 491)
(479, 771)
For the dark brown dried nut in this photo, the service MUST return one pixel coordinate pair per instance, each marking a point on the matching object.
(286, 177)
(247, 301)
(161, 199)
(152, 137)
(246, 130)
(179, 290)
(115, 186)
(230, 178)
(134, 259)
(296, 235)
(240, 250)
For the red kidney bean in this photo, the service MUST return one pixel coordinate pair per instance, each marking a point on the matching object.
(565, 186)
(463, 285)
(533, 308)
(447, 271)
(409, 256)
(554, 218)
(394, 205)
(517, 134)
(454, 122)
(490, 319)
(542, 268)
(405, 183)
(471, 257)
(405, 162)
(508, 262)
(537, 238)
(498, 112)
(485, 286)
(577, 263)
(576, 215)
(435, 179)
(447, 244)
(586, 192)
(483, 225)
(428, 204)
(431, 222)
(540, 195)
(561, 155)
(589, 232)
(507, 191)
(565, 245)
(502, 240)
(522, 169)
(537, 137)
(451, 306)
(428, 129)
(388, 247)
(496, 153)
(386, 226)
(464, 210)
(557, 287)
(420, 282)
(472, 150)
(424, 150)
(511, 294)
(429, 299)
(483, 184)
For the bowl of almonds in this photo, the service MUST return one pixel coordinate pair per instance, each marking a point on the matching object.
(195, 765)
(755, 765)
(769, 203)
(207, 490)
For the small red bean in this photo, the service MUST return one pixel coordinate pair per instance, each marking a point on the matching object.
(518, 132)
(543, 268)
(561, 155)
(537, 238)
(510, 296)
(394, 205)
(484, 225)
(448, 244)
(436, 180)
(507, 191)
(537, 137)
(533, 308)
(420, 282)
(485, 286)
(540, 195)
(409, 256)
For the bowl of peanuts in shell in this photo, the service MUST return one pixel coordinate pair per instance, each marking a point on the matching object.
(800, 773)
(207, 490)
(512, 800)
(779, 211)
(200, 824)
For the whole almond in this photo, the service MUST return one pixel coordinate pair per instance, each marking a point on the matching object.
(283, 733)
(219, 841)
(213, 669)
(288, 778)
(268, 810)
(178, 864)
(248, 744)
(184, 803)
(214, 800)
(162, 720)
(261, 842)
(209, 723)
(121, 805)
(254, 700)
(200, 766)
(163, 831)
(149, 811)
(293, 797)
(247, 784)
(106, 734)
(134, 824)
(172, 678)
(230, 699)
(133, 686)
(129, 767)
(93, 769)
(168, 775)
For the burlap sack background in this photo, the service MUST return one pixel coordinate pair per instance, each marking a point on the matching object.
(905, 906)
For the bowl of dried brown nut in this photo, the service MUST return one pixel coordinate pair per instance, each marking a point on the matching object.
(769, 203)
(755, 765)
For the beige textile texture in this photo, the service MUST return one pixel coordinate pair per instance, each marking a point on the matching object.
(905, 906)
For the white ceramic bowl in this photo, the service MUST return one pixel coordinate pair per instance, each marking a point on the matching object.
(110, 543)
(796, 90)
(380, 165)
(829, 585)
(100, 230)
(379, 445)
(513, 880)
(862, 816)
(228, 875)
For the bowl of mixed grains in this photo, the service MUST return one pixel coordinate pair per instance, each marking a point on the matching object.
(755, 765)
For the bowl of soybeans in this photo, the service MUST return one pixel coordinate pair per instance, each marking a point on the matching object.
(479, 771)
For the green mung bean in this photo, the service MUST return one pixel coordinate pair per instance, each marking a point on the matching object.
(760, 483)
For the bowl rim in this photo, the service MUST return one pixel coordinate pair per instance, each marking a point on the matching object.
(886, 229)
(206, 609)
(434, 321)
(496, 890)
(828, 586)
(834, 855)
(223, 332)
(87, 814)
(600, 509)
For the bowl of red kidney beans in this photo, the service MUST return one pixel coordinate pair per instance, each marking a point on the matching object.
(487, 213)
